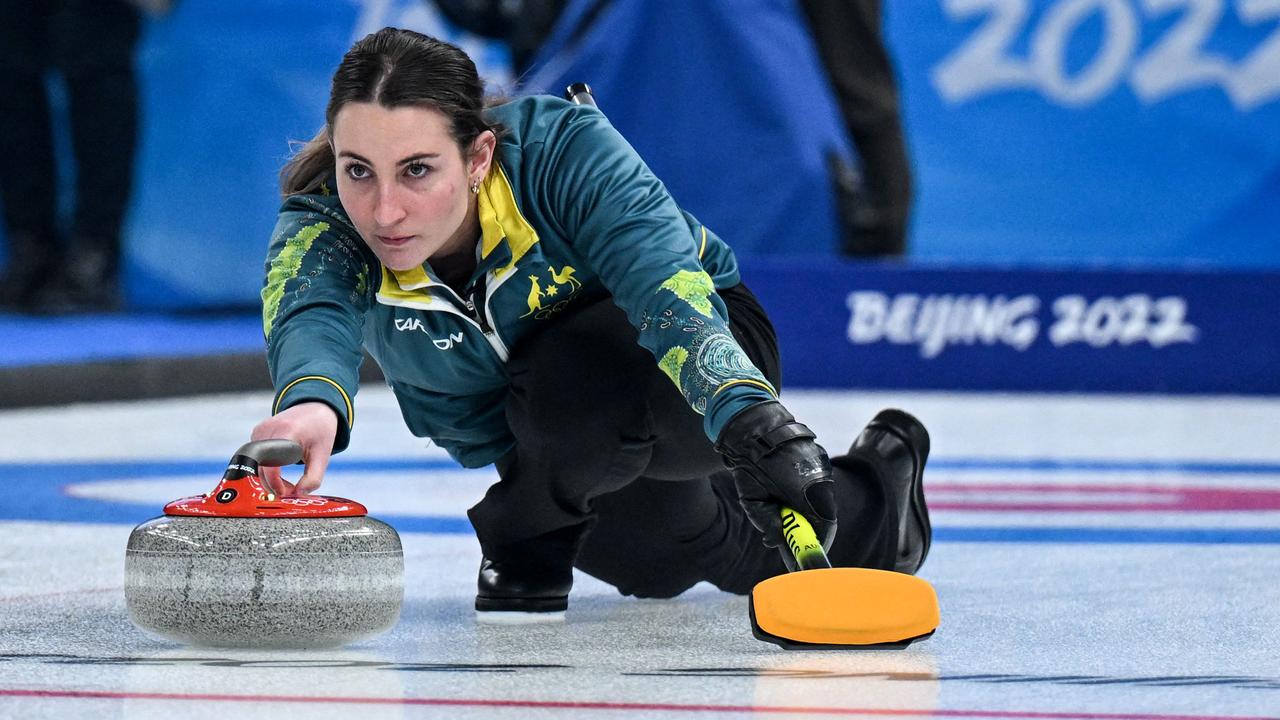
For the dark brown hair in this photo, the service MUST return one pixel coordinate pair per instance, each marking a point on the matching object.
(394, 68)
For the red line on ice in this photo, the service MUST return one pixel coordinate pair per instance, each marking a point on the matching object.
(966, 496)
(590, 705)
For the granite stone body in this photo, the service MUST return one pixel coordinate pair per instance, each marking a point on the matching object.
(264, 582)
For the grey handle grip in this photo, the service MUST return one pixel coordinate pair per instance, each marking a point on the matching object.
(272, 453)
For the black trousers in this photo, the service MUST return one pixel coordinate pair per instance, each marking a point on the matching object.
(90, 44)
(613, 472)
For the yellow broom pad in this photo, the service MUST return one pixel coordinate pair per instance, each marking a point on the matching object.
(845, 606)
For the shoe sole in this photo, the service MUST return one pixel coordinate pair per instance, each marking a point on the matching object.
(521, 605)
(508, 617)
(912, 432)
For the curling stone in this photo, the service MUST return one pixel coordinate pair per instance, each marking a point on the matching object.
(239, 567)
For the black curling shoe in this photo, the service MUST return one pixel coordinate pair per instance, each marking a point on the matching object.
(901, 445)
(507, 587)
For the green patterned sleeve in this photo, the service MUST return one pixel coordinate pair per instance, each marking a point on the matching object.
(314, 297)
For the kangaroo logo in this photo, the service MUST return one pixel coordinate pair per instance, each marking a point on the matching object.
(563, 276)
(535, 296)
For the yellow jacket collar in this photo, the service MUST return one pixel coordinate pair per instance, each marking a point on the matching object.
(501, 222)
(411, 279)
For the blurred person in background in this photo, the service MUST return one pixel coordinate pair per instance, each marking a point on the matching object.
(522, 24)
(90, 44)
(874, 204)
(873, 200)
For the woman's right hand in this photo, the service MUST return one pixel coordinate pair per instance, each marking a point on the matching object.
(314, 426)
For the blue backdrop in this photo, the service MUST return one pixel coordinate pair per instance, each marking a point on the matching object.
(1046, 131)
(1094, 130)
(1073, 132)
(728, 104)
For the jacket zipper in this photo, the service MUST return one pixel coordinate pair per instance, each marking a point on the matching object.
(469, 301)
(477, 316)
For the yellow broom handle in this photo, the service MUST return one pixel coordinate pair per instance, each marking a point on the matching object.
(803, 541)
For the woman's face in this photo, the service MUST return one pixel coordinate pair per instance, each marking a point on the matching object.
(404, 182)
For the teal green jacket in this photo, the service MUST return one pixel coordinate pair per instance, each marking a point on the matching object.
(569, 214)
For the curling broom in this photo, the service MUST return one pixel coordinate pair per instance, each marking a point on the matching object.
(818, 607)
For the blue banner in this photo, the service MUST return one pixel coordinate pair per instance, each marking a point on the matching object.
(1093, 130)
(893, 326)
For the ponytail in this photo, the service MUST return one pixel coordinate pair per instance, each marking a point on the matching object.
(309, 167)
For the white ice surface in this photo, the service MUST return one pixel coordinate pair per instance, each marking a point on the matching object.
(1029, 629)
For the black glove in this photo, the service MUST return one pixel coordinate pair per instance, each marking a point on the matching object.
(776, 462)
